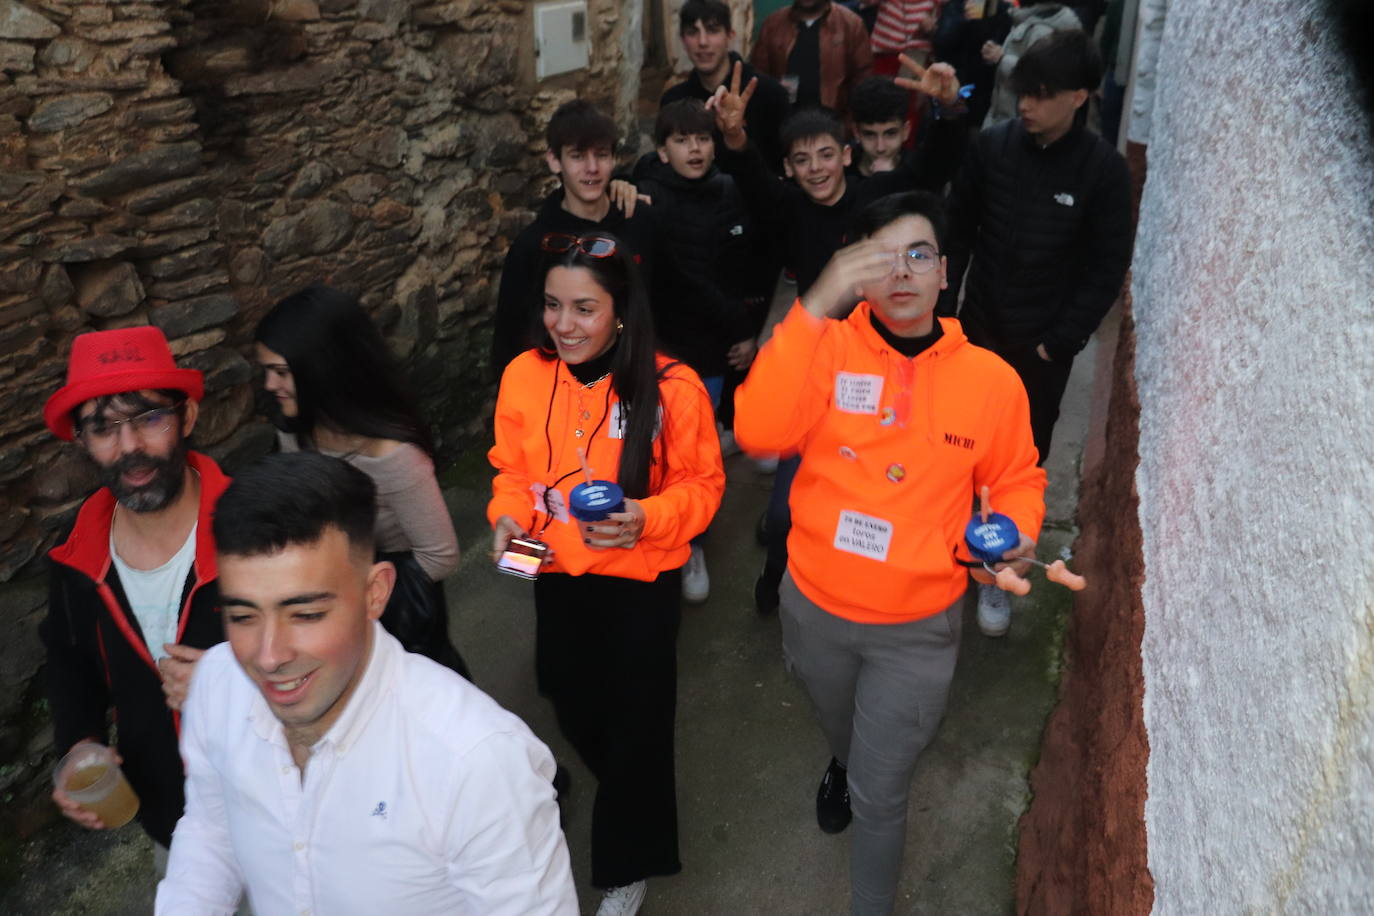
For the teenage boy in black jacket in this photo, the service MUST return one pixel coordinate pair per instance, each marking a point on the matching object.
(703, 251)
(704, 26)
(133, 600)
(1043, 210)
(706, 269)
(811, 211)
(581, 152)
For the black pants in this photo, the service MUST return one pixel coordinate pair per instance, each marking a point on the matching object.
(1045, 383)
(606, 656)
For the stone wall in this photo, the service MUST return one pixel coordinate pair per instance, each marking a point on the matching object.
(189, 162)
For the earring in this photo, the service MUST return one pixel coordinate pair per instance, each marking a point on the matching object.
(619, 325)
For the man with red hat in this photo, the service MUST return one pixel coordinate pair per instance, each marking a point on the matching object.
(133, 600)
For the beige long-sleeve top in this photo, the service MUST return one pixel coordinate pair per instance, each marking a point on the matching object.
(411, 514)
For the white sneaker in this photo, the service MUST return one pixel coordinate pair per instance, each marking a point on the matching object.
(696, 581)
(623, 901)
(994, 610)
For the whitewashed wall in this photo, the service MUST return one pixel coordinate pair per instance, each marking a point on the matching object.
(1254, 303)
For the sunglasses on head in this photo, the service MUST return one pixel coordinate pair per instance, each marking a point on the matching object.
(593, 246)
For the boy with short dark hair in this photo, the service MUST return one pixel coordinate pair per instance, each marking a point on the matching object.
(878, 108)
(1042, 208)
(312, 716)
(704, 26)
(581, 150)
(899, 422)
(810, 211)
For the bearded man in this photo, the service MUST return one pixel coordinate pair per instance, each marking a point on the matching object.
(133, 600)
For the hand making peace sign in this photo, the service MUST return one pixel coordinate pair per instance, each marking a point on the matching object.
(937, 81)
(729, 105)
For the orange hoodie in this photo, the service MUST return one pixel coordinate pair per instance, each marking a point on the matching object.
(538, 409)
(893, 450)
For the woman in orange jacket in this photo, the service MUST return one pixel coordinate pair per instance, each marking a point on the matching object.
(899, 421)
(608, 600)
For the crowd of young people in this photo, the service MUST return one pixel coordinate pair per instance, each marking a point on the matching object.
(631, 335)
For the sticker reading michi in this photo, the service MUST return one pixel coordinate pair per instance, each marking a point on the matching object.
(864, 535)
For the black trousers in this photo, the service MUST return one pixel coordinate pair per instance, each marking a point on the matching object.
(606, 656)
(1045, 383)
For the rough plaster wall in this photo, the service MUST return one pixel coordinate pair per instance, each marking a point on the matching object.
(1254, 288)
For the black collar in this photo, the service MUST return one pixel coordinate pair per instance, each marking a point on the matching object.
(907, 346)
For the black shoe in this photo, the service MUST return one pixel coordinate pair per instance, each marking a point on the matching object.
(766, 598)
(832, 799)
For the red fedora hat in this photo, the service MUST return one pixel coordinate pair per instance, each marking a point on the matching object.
(112, 362)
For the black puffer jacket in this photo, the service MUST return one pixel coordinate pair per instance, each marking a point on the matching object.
(704, 264)
(1049, 231)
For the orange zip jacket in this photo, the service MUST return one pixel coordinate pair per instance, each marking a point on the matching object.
(538, 409)
(893, 450)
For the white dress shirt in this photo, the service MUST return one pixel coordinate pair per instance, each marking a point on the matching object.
(424, 796)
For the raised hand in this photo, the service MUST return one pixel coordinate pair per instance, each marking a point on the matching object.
(844, 276)
(729, 104)
(937, 81)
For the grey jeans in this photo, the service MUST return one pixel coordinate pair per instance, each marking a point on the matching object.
(879, 692)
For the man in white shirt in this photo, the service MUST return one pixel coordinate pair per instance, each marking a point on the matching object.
(329, 771)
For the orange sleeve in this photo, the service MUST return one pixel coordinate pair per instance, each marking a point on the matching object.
(787, 391)
(1016, 484)
(693, 477)
(510, 489)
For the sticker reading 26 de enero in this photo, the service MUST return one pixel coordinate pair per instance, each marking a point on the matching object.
(863, 534)
(858, 393)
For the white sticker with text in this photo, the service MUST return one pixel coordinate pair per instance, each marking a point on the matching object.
(617, 422)
(856, 393)
(863, 534)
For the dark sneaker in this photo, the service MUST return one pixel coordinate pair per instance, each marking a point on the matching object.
(766, 598)
(832, 799)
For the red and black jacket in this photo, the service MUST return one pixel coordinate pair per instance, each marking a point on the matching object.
(98, 660)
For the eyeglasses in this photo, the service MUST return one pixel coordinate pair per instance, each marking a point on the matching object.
(593, 246)
(102, 434)
(921, 259)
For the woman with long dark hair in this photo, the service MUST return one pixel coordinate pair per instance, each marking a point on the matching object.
(596, 395)
(336, 390)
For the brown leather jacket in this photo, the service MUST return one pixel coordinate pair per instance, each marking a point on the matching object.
(846, 56)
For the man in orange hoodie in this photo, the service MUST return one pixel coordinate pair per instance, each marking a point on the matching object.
(899, 421)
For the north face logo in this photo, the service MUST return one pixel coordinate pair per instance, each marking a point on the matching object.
(1065, 199)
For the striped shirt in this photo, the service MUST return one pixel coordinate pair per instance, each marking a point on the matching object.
(894, 32)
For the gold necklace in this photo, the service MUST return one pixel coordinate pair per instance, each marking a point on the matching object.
(583, 414)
